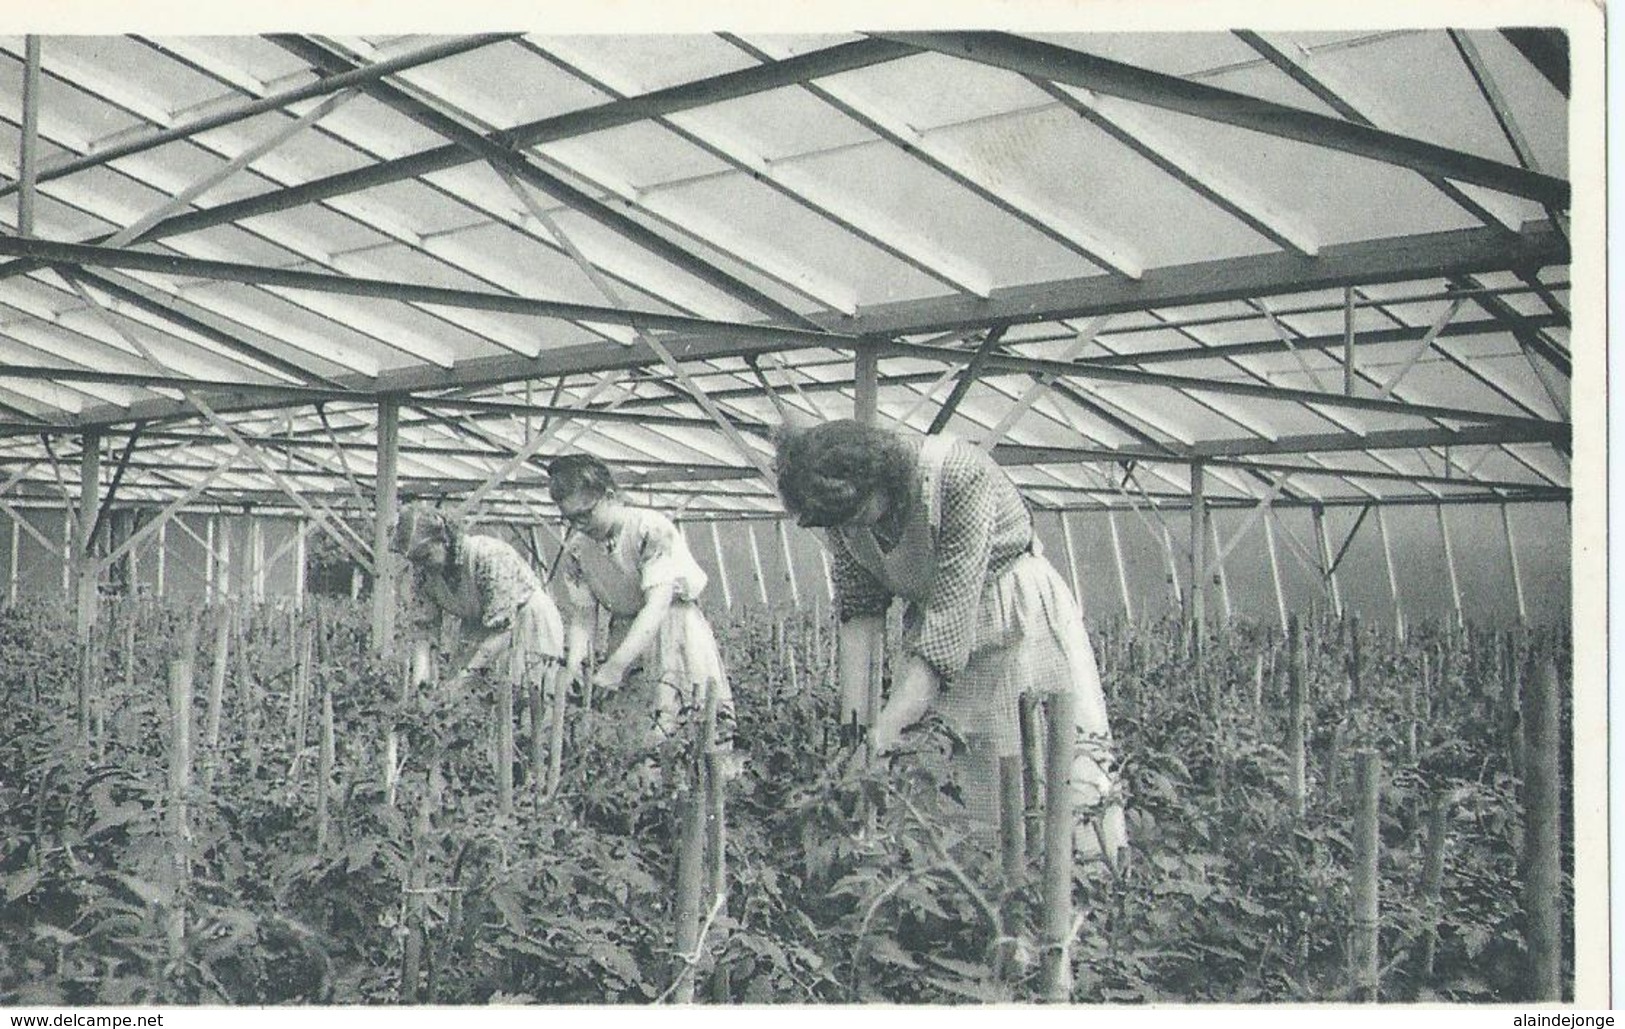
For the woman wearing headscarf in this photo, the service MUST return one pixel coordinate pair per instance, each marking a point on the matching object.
(935, 522)
(509, 623)
(634, 562)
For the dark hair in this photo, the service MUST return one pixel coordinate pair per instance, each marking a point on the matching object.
(576, 473)
(826, 473)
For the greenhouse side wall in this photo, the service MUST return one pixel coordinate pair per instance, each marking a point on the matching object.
(786, 567)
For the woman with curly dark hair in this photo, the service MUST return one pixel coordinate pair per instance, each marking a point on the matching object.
(935, 522)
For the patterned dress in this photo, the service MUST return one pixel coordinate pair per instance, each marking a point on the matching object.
(991, 616)
(491, 589)
(645, 552)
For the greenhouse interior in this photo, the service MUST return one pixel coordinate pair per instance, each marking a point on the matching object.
(1271, 330)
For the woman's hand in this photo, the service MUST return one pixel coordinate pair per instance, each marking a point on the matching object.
(608, 676)
(908, 703)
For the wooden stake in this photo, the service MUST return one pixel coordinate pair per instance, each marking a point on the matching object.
(1427, 687)
(1412, 717)
(1060, 740)
(1012, 822)
(129, 649)
(300, 700)
(1032, 780)
(1441, 693)
(1433, 872)
(392, 766)
(87, 673)
(324, 774)
(557, 686)
(1511, 707)
(1364, 924)
(1296, 773)
(180, 781)
(1356, 683)
(1334, 758)
(503, 680)
(1542, 836)
(716, 834)
(690, 880)
(422, 667)
(538, 725)
(217, 693)
(412, 949)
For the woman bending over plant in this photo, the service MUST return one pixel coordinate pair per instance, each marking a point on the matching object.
(509, 623)
(634, 562)
(935, 522)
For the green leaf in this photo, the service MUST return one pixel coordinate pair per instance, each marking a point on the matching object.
(963, 969)
(1474, 938)
(885, 949)
(977, 990)
(59, 936)
(616, 959)
(513, 912)
(147, 891)
(360, 854)
(20, 883)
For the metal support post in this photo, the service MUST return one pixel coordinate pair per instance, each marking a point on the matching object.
(1324, 551)
(1275, 567)
(1348, 341)
(1450, 564)
(1198, 613)
(866, 385)
(1071, 559)
(1517, 570)
(789, 565)
(1393, 577)
(1122, 570)
(1218, 570)
(384, 513)
(756, 563)
(84, 558)
(722, 568)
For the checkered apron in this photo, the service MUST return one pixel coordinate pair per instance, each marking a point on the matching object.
(1028, 639)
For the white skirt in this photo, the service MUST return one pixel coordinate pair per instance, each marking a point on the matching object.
(684, 663)
(1030, 640)
(537, 638)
